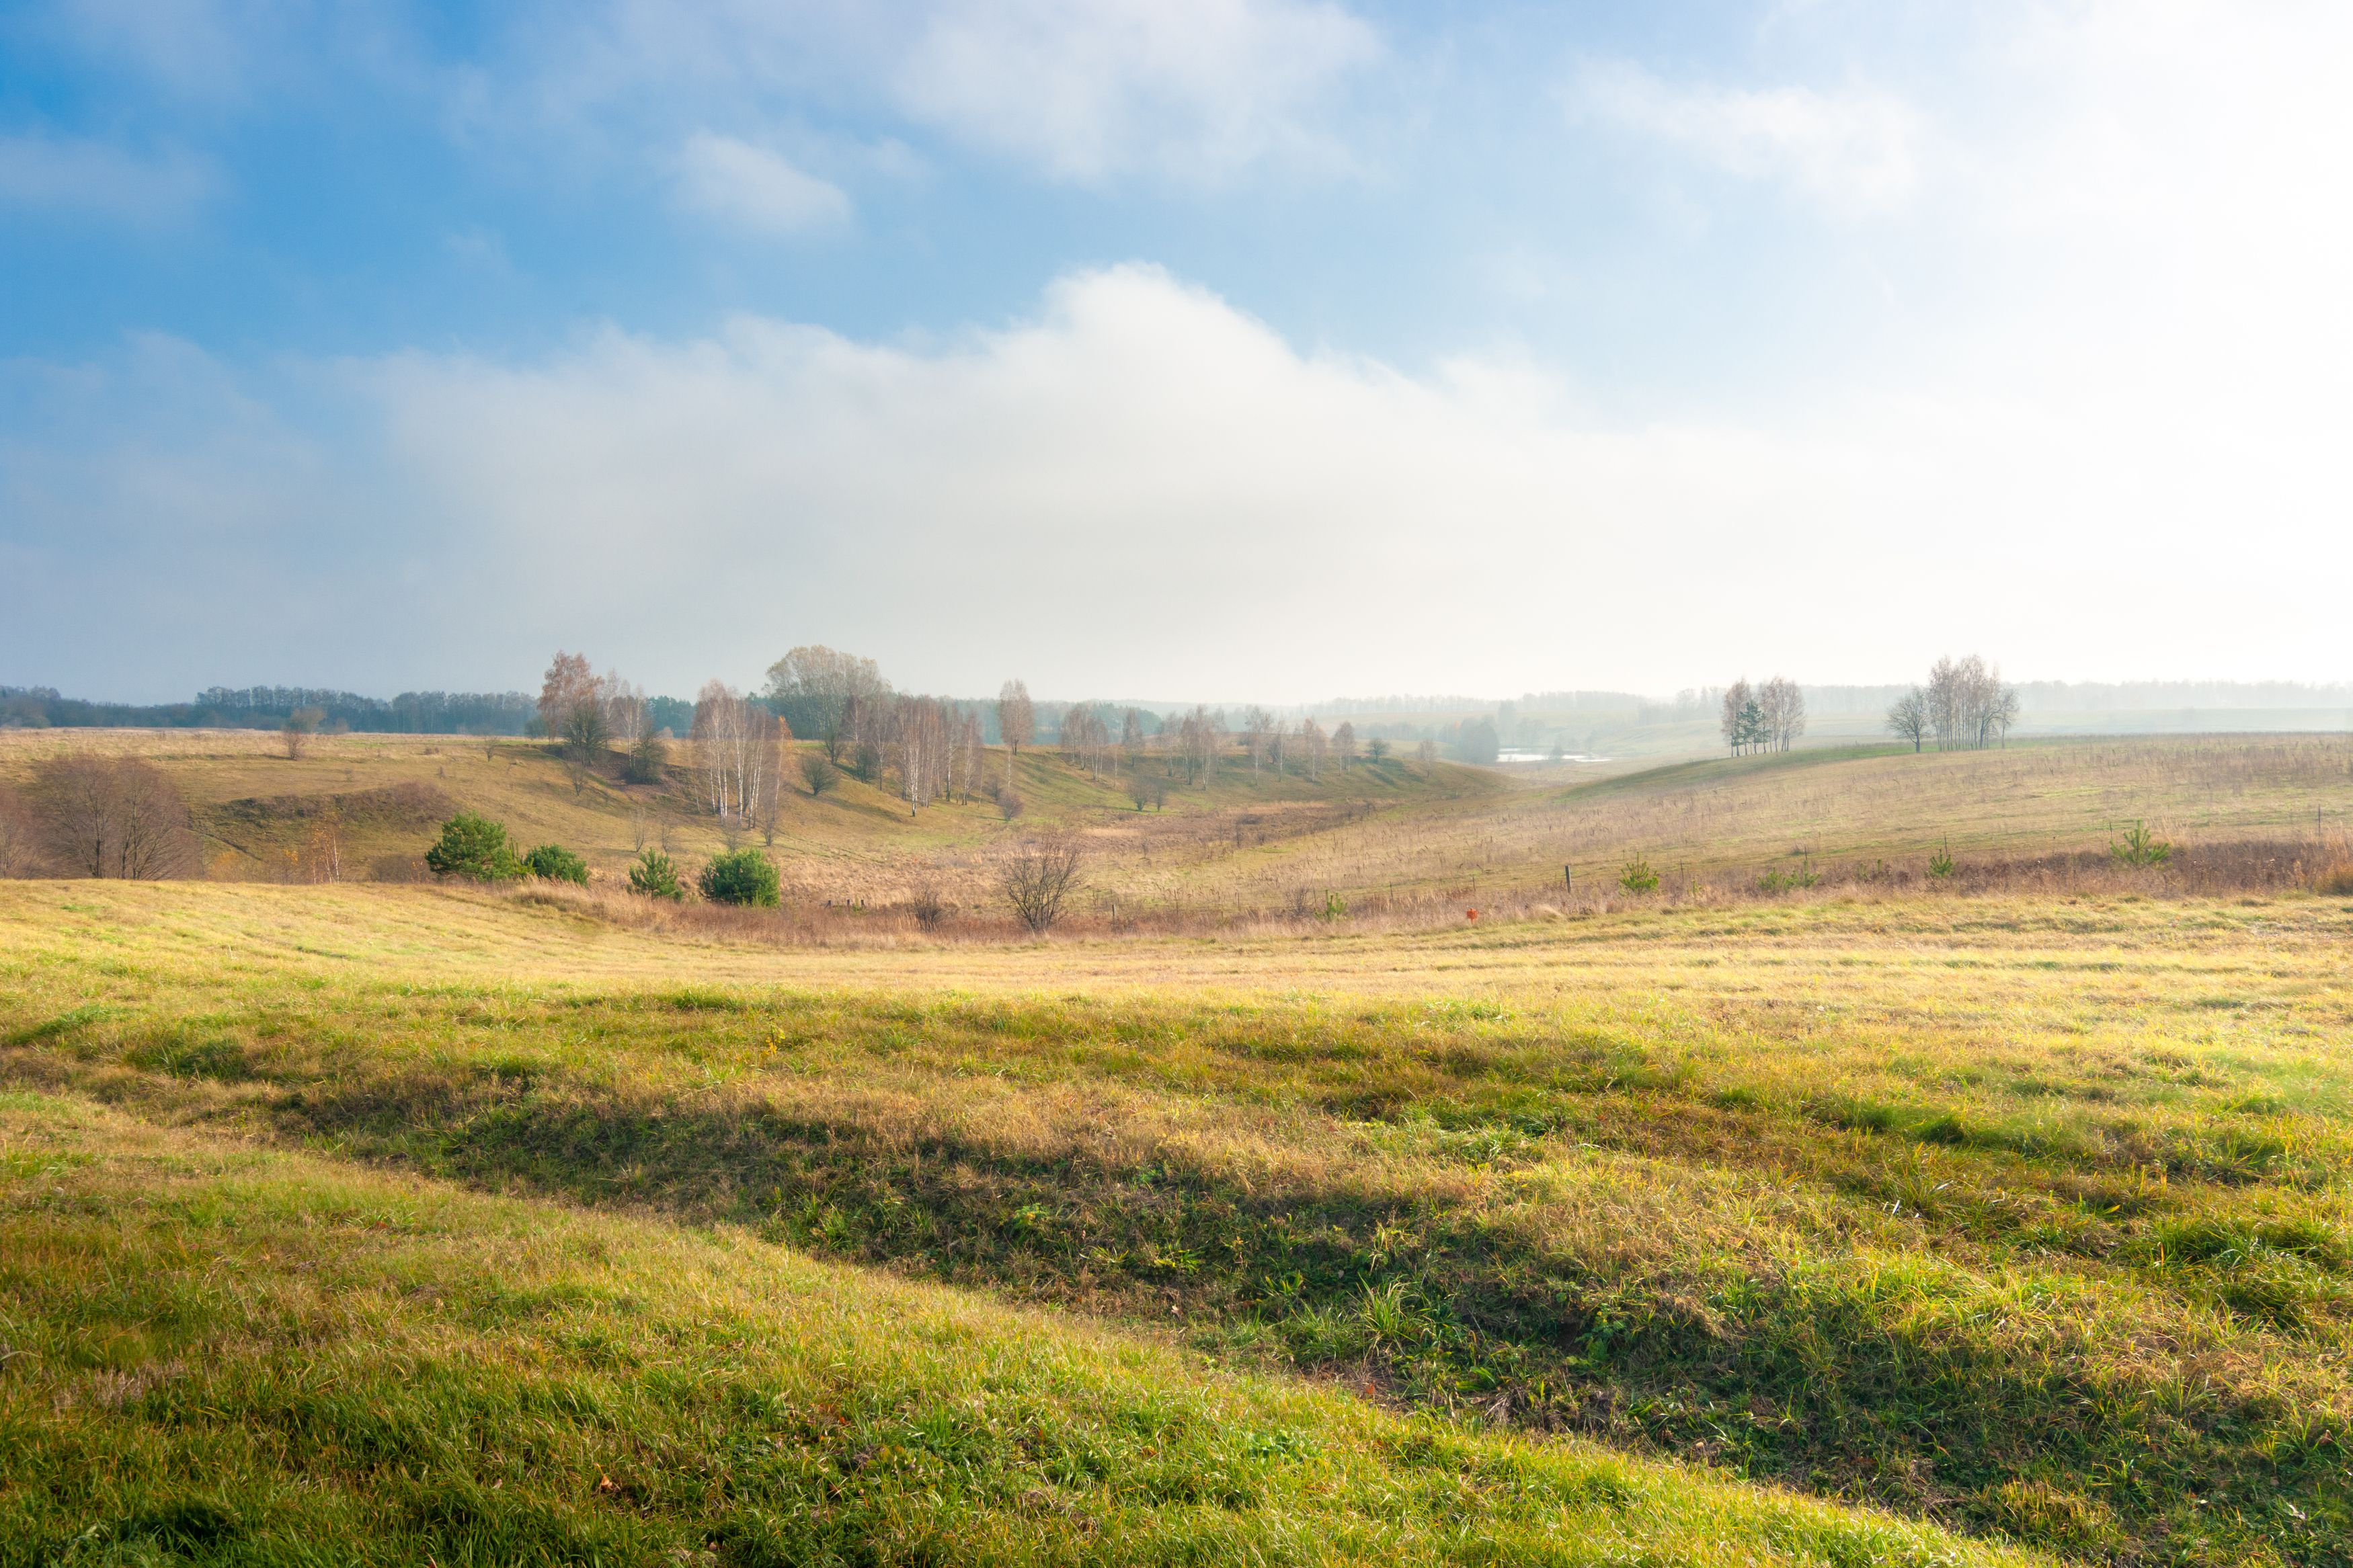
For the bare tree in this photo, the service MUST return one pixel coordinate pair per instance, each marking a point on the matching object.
(739, 747)
(1783, 709)
(568, 684)
(1039, 876)
(1313, 746)
(114, 816)
(1907, 717)
(1258, 735)
(1344, 744)
(971, 751)
(1130, 737)
(1947, 701)
(1086, 738)
(1016, 720)
(1200, 737)
(1968, 703)
(1737, 719)
(624, 707)
(922, 734)
(828, 682)
(299, 726)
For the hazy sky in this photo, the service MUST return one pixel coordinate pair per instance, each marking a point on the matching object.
(1228, 348)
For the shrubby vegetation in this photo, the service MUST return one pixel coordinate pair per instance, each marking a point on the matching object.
(743, 876)
(554, 863)
(655, 875)
(474, 848)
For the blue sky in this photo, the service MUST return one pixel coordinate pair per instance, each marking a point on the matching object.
(1246, 349)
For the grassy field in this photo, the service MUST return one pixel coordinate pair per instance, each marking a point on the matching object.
(222, 1353)
(1395, 840)
(2020, 1216)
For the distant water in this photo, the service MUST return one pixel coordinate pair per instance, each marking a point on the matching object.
(1515, 754)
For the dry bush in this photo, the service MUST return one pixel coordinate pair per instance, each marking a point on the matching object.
(2335, 880)
(112, 816)
(1037, 877)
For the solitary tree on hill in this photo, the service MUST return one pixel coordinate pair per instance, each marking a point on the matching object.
(1017, 721)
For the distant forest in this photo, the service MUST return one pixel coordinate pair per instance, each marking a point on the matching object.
(269, 707)
(517, 713)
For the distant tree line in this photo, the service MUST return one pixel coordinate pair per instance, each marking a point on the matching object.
(271, 707)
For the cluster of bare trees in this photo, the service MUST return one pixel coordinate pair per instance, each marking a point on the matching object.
(938, 747)
(740, 748)
(1965, 705)
(587, 714)
(1767, 718)
(1088, 741)
(98, 817)
(1200, 737)
(1304, 747)
(1017, 721)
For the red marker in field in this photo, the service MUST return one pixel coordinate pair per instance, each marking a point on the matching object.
(1470, 914)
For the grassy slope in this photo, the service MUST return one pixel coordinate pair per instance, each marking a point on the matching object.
(1265, 842)
(855, 842)
(242, 1356)
(1831, 805)
(2030, 1214)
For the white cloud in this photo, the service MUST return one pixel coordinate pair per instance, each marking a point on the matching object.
(1146, 489)
(71, 174)
(1142, 491)
(754, 188)
(1854, 150)
(1087, 87)
(1079, 90)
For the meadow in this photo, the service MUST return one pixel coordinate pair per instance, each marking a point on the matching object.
(1875, 1221)
(1397, 841)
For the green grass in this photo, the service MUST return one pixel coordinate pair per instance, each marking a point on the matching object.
(2025, 1215)
(219, 1353)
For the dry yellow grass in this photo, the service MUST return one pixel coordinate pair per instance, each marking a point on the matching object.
(1396, 838)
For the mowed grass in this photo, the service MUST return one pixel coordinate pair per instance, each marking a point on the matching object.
(223, 1354)
(2026, 1216)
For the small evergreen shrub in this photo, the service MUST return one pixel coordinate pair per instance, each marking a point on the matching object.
(655, 875)
(2139, 847)
(741, 876)
(554, 863)
(476, 849)
(1636, 876)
